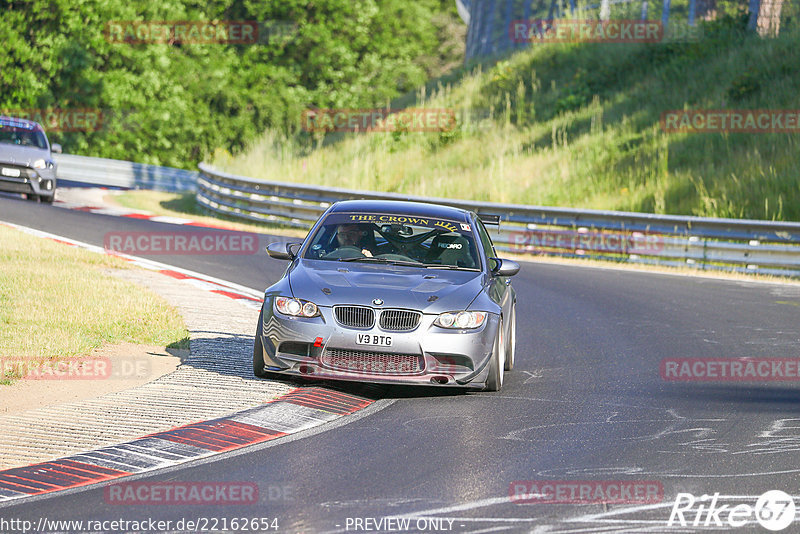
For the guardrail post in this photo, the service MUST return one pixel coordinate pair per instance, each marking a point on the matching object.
(705, 253)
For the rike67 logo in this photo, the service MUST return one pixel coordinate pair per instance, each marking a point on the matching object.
(774, 510)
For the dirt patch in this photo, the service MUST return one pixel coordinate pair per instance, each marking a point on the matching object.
(107, 370)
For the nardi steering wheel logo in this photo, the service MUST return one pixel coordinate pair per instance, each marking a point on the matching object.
(774, 510)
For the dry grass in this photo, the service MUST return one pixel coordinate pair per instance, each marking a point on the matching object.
(57, 304)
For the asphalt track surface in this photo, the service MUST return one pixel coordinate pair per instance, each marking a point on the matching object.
(585, 402)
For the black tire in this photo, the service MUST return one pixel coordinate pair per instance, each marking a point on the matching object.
(47, 199)
(32, 197)
(494, 381)
(511, 340)
(258, 350)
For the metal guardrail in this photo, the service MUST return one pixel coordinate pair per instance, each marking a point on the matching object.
(117, 173)
(753, 246)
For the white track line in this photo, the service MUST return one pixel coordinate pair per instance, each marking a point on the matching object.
(212, 283)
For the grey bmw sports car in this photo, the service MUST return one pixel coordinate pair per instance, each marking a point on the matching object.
(393, 292)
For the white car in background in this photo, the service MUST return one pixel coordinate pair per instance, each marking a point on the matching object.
(26, 159)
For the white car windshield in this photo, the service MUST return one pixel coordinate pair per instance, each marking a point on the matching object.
(11, 134)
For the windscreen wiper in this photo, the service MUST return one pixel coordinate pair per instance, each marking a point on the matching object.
(445, 266)
(384, 260)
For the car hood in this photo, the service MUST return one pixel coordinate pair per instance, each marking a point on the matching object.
(427, 290)
(21, 155)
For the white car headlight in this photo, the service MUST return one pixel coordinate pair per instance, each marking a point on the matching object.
(295, 307)
(40, 164)
(460, 319)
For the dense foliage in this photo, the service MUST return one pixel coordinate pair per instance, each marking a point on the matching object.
(173, 104)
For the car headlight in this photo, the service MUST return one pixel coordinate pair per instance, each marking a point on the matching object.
(296, 307)
(460, 319)
(40, 164)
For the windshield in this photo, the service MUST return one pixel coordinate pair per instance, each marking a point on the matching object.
(12, 133)
(395, 238)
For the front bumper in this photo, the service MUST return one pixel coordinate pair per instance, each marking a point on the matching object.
(428, 355)
(30, 181)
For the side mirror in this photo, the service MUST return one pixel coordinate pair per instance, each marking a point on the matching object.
(282, 251)
(505, 267)
(55, 147)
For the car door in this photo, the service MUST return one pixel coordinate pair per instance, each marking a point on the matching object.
(499, 286)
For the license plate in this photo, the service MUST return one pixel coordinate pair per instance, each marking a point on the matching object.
(13, 173)
(373, 339)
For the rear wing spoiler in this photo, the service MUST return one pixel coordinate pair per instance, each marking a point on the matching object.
(487, 218)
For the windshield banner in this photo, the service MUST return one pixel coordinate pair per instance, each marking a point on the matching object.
(386, 218)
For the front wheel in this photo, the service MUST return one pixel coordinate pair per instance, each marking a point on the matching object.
(494, 382)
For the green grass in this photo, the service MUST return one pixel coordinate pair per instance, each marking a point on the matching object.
(579, 125)
(56, 303)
